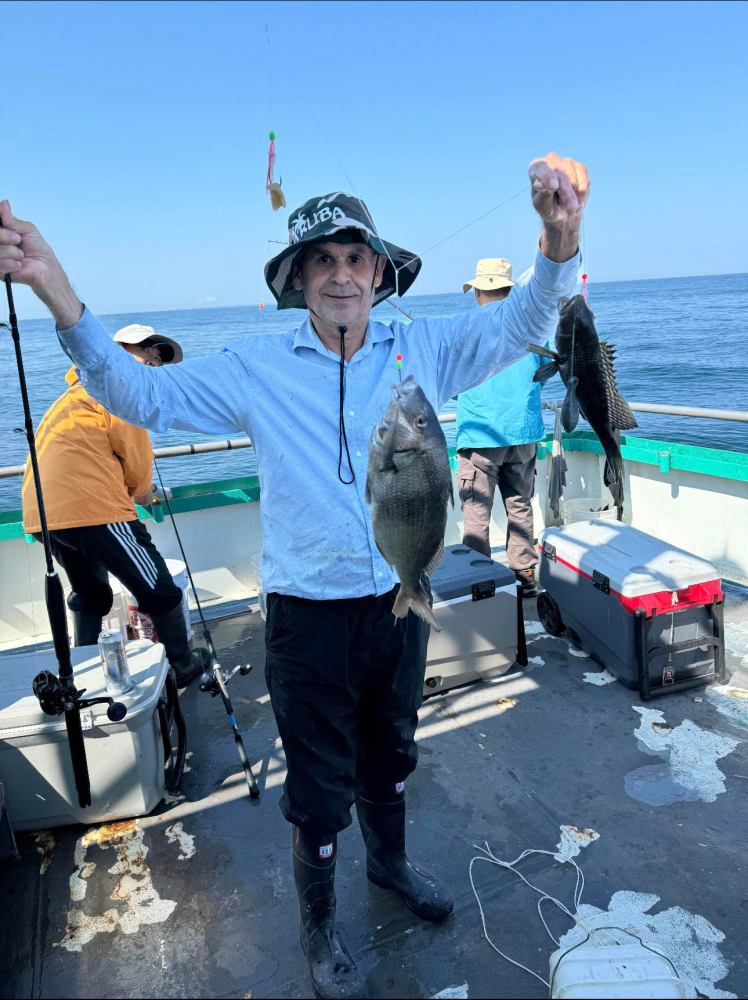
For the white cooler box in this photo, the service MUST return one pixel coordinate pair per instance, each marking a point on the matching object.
(125, 759)
(649, 612)
(476, 604)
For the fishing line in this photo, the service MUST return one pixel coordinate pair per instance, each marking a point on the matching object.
(218, 682)
(399, 309)
(323, 133)
(31, 591)
(206, 630)
(523, 190)
(544, 897)
(583, 252)
(270, 69)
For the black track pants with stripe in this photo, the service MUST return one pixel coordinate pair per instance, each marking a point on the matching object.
(123, 549)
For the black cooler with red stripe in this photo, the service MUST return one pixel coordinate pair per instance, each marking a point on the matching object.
(648, 611)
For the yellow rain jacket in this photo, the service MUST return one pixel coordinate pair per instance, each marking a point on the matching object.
(91, 464)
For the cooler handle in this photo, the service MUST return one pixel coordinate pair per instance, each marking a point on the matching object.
(170, 715)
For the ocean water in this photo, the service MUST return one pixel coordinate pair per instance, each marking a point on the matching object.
(680, 341)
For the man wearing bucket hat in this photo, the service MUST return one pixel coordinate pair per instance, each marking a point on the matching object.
(344, 682)
(94, 468)
(498, 426)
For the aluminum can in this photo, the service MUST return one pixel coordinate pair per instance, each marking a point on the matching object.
(114, 662)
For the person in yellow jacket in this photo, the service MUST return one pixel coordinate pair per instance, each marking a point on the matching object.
(94, 467)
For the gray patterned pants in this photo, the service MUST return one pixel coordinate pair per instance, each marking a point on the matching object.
(512, 469)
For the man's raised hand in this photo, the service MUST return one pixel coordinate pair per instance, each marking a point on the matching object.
(560, 189)
(28, 259)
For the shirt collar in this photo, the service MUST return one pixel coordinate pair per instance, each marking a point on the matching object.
(306, 336)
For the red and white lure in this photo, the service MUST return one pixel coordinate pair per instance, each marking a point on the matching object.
(273, 188)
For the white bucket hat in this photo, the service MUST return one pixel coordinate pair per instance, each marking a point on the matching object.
(491, 274)
(136, 333)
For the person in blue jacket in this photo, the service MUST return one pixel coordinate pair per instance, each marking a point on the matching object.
(499, 424)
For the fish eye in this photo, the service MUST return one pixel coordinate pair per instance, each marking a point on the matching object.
(420, 421)
(381, 431)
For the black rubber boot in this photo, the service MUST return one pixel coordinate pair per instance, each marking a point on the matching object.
(172, 632)
(331, 967)
(528, 582)
(387, 864)
(86, 628)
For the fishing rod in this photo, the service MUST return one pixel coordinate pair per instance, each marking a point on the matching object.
(213, 681)
(57, 693)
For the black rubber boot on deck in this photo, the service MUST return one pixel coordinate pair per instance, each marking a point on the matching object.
(387, 865)
(332, 969)
(86, 628)
(172, 632)
(528, 582)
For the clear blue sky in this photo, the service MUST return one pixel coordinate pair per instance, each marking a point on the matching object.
(135, 134)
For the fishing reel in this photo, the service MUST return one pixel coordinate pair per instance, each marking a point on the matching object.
(210, 682)
(55, 698)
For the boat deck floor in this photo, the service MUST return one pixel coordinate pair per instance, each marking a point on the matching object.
(198, 900)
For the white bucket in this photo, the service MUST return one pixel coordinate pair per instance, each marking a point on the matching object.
(586, 509)
(618, 970)
(140, 621)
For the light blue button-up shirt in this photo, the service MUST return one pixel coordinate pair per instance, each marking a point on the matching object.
(283, 391)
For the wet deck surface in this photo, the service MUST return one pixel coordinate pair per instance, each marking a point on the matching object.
(208, 908)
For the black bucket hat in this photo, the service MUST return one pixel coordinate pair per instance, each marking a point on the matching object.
(323, 219)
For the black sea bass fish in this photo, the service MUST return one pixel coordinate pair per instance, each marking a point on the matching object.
(585, 364)
(408, 486)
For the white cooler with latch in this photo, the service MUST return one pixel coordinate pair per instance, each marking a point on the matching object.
(476, 604)
(125, 759)
(648, 611)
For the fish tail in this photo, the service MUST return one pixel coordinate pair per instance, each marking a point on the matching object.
(418, 603)
(570, 406)
(613, 478)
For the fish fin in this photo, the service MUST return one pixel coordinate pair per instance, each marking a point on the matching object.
(384, 555)
(556, 483)
(545, 372)
(613, 479)
(407, 600)
(570, 406)
(436, 559)
(621, 416)
(544, 352)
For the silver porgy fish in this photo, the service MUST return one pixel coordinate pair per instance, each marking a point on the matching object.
(408, 486)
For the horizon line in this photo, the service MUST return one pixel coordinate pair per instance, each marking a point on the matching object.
(271, 304)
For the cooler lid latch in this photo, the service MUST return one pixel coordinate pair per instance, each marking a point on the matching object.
(549, 551)
(483, 589)
(601, 581)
